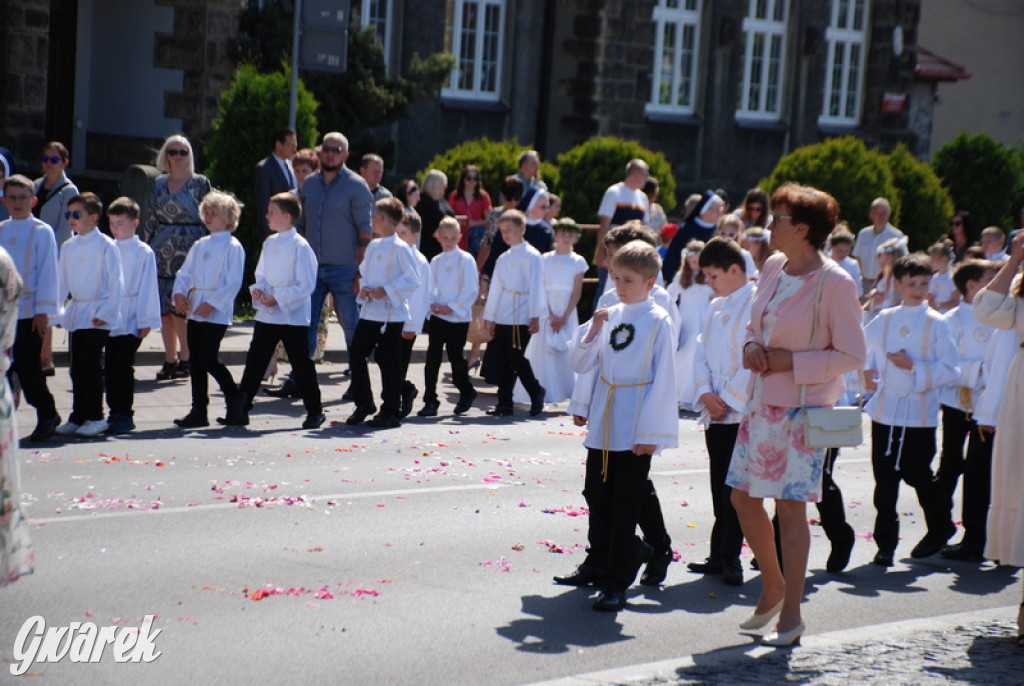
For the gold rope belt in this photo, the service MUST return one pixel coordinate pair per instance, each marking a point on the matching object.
(606, 427)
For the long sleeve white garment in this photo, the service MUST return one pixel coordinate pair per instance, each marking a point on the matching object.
(391, 264)
(419, 303)
(718, 363)
(286, 270)
(972, 340)
(454, 282)
(90, 273)
(634, 392)
(998, 356)
(659, 295)
(212, 273)
(910, 397)
(517, 292)
(141, 304)
(33, 248)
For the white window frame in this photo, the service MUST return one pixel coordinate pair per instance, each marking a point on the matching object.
(454, 45)
(772, 30)
(684, 23)
(849, 44)
(366, 22)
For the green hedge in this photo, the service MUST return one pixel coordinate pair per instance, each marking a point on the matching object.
(983, 176)
(926, 204)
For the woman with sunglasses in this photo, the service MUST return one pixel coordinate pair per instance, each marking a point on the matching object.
(172, 225)
(963, 233)
(471, 199)
(409, 193)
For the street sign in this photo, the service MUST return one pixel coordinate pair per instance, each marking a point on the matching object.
(324, 50)
(328, 15)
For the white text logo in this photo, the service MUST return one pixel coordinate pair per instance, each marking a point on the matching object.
(82, 642)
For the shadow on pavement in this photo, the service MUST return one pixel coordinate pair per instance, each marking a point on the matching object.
(562, 622)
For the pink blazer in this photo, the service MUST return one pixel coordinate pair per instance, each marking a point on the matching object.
(838, 346)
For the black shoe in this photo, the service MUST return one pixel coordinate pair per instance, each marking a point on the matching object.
(610, 600)
(537, 403)
(962, 551)
(430, 409)
(732, 572)
(45, 428)
(409, 394)
(314, 420)
(385, 421)
(237, 411)
(360, 415)
(184, 369)
(708, 566)
(465, 402)
(931, 544)
(644, 554)
(193, 420)
(840, 555)
(500, 411)
(50, 371)
(286, 390)
(657, 569)
(883, 558)
(166, 372)
(584, 575)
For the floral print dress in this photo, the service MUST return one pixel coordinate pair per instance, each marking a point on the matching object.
(770, 459)
(16, 554)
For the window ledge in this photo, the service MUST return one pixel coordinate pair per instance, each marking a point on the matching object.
(467, 104)
(673, 118)
(761, 124)
(840, 129)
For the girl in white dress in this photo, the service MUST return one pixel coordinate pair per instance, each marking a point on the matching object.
(942, 293)
(692, 296)
(548, 350)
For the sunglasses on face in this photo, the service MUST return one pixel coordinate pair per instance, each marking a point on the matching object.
(177, 153)
(413, 189)
(956, 223)
(47, 159)
(74, 215)
(327, 148)
(472, 178)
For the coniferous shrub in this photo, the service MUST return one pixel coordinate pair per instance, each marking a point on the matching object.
(983, 176)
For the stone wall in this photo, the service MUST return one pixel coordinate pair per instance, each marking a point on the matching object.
(24, 48)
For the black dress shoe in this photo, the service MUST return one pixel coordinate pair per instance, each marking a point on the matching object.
(429, 409)
(584, 575)
(883, 558)
(841, 550)
(708, 566)
(45, 428)
(610, 600)
(932, 543)
(732, 572)
(385, 421)
(537, 402)
(500, 411)
(314, 420)
(360, 415)
(657, 569)
(286, 390)
(962, 551)
(465, 402)
(193, 420)
(409, 394)
(237, 411)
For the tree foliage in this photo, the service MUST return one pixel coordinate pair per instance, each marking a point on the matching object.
(983, 176)
(926, 204)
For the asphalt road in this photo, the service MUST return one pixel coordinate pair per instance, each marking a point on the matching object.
(419, 555)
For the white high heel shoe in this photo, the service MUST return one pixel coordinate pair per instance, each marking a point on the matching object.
(786, 638)
(756, 621)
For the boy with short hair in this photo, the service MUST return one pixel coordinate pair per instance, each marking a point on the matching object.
(89, 272)
(515, 303)
(140, 313)
(912, 351)
(958, 402)
(627, 352)
(205, 289)
(721, 386)
(389, 277)
(33, 248)
(409, 231)
(453, 290)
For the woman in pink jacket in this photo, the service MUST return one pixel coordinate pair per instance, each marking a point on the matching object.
(787, 350)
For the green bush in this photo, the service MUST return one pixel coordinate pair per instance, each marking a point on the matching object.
(927, 205)
(983, 176)
(496, 160)
(250, 110)
(845, 168)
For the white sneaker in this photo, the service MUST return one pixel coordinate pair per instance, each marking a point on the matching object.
(93, 427)
(67, 429)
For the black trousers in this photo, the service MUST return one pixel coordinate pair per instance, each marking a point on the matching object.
(976, 468)
(652, 521)
(831, 509)
(451, 336)
(296, 343)
(914, 467)
(386, 348)
(86, 348)
(509, 344)
(726, 534)
(407, 344)
(204, 346)
(615, 504)
(27, 347)
(956, 425)
(119, 372)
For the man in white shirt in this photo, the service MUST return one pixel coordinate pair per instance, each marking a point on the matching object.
(622, 201)
(871, 238)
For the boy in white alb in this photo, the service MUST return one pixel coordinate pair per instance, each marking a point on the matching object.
(33, 248)
(90, 274)
(140, 313)
(721, 385)
(631, 413)
(205, 289)
(912, 351)
(516, 301)
(958, 401)
(454, 288)
(389, 276)
(419, 304)
(285, 277)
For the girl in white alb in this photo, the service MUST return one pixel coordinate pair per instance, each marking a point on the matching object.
(692, 296)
